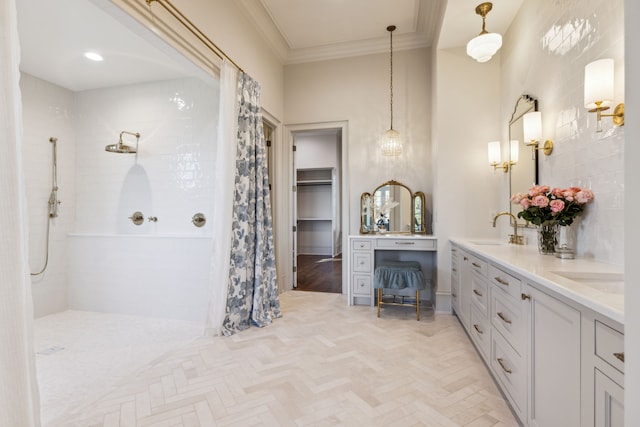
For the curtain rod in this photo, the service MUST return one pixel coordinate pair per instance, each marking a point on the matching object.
(175, 12)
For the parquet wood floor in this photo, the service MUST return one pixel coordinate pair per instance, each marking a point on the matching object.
(322, 364)
(319, 273)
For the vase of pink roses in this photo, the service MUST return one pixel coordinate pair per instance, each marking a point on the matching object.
(549, 209)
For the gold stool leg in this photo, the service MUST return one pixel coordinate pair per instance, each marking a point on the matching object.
(418, 304)
(379, 300)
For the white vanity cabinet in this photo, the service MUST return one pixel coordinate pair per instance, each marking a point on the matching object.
(361, 274)
(367, 249)
(557, 354)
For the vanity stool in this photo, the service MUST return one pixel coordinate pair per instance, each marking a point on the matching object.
(399, 275)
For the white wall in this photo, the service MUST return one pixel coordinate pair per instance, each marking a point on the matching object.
(171, 177)
(544, 54)
(48, 111)
(356, 90)
(467, 189)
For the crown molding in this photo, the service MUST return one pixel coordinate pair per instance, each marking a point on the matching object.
(357, 48)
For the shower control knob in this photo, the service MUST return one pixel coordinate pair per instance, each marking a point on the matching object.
(199, 219)
(153, 219)
(137, 218)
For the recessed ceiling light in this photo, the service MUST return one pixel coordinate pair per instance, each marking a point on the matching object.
(93, 56)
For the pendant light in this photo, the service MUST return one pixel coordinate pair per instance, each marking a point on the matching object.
(391, 144)
(486, 44)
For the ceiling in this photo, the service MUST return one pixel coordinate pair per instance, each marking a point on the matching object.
(52, 39)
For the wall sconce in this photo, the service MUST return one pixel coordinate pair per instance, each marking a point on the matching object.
(598, 91)
(532, 129)
(514, 151)
(486, 44)
(493, 151)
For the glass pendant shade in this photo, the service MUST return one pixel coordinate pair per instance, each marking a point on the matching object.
(484, 46)
(391, 144)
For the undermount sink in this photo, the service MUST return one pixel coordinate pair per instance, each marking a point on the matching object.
(488, 242)
(605, 282)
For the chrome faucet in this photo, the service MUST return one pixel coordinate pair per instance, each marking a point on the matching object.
(513, 238)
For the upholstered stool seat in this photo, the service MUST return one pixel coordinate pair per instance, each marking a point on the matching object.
(399, 275)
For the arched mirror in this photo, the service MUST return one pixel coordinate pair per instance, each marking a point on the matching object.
(523, 172)
(419, 226)
(392, 209)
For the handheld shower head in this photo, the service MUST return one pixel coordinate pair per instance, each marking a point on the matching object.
(120, 147)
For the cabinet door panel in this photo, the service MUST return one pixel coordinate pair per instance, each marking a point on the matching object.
(554, 377)
(609, 402)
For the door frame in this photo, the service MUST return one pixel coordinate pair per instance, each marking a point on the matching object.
(286, 163)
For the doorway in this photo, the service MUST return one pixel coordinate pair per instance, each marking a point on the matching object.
(317, 210)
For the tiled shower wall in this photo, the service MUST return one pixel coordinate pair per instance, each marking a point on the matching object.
(171, 178)
(544, 55)
(48, 112)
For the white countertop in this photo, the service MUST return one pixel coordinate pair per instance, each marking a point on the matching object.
(595, 285)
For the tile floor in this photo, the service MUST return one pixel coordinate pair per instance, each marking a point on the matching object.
(322, 364)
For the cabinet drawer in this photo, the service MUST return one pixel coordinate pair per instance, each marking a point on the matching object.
(510, 370)
(505, 281)
(406, 244)
(361, 245)
(480, 293)
(478, 265)
(610, 345)
(361, 284)
(506, 317)
(480, 332)
(362, 262)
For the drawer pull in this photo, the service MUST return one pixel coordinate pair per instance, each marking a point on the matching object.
(501, 281)
(455, 270)
(619, 356)
(504, 319)
(477, 293)
(478, 329)
(465, 258)
(525, 296)
(476, 265)
(405, 243)
(504, 368)
(453, 294)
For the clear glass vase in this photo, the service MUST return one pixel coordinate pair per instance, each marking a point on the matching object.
(547, 237)
(566, 239)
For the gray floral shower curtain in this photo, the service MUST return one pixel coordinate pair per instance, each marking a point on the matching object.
(253, 291)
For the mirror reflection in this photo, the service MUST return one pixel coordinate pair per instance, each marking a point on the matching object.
(392, 208)
(523, 172)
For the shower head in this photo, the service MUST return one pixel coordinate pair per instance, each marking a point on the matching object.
(120, 147)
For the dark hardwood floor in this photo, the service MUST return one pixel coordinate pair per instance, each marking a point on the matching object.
(319, 273)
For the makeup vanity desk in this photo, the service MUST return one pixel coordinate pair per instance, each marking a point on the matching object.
(367, 250)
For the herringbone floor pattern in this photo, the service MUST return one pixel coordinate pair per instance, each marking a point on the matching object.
(321, 364)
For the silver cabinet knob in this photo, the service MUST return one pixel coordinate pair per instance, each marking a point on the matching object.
(137, 218)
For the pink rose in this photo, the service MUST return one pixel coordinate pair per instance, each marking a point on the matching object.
(556, 206)
(537, 190)
(557, 192)
(540, 201)
(525, 203)
(584, 196)
(569, 194)
(517, 197)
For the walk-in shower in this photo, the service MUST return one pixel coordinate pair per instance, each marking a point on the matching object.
(121, 147)
(53, 203)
